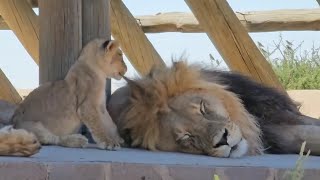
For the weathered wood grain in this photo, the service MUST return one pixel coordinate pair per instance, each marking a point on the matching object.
(253, 21)
(232, 40)
(7, 91)
(60, 37)
(133, 41)
(21, 19)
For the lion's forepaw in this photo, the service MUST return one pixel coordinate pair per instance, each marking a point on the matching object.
(111, 143)
(74, 141)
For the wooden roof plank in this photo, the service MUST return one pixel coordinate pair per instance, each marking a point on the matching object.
(22, 20)
(232, 40)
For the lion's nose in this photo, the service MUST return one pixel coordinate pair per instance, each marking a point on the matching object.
(223, 140)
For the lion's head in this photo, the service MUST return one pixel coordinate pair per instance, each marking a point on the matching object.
(105, 56)
(174, 109)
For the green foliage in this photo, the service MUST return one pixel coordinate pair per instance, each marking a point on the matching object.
(295, 69)
(216, 177)
(297, 172)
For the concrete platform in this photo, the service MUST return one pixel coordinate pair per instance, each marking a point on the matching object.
(57, 163)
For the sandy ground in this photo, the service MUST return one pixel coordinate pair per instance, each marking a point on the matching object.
(309, 99)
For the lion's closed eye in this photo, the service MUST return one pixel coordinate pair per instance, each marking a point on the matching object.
(203, 108)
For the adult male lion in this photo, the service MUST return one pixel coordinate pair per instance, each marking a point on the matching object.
(186, 109)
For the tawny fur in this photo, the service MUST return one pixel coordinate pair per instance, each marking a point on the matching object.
(55, 110)
(225, 114)
(17, 142)
(141, 108)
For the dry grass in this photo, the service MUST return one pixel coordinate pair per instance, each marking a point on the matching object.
(216, 177)
(294, 174)
(297, 172)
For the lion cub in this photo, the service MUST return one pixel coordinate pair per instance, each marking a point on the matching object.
(55, 111)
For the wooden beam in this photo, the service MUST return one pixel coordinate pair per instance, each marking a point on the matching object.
(33, 3)
(95, 20)
(132, 39)
(255, 21)
(7, 91)
(232, 40)
(3, 24)
(60, 37)
(21, 19)
(318, 2)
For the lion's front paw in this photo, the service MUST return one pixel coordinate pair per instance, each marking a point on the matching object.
(111, 143)
(74, 141)
(18, 142)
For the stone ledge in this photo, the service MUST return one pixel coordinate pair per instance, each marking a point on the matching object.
(57, 163)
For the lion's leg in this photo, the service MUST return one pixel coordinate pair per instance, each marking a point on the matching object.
(289, 138)
(102, 128)
(306, 120)
(43, 134)
(73, 141)
(47, 138)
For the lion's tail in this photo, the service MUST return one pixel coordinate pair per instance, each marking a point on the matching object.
(17, 142)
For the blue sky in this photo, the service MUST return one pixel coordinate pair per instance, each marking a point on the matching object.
(23, 72)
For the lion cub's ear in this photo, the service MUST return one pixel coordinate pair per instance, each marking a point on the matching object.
(111, 46)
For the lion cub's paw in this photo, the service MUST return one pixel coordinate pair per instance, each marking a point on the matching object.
(74, 141)
(111, 143)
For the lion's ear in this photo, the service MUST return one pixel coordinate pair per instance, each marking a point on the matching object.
(111, 46)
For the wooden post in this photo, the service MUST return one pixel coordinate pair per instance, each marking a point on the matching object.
(232, 40)
(60, 37)
(318, 2)
(7, 91)
(132, 39)
(21, 19)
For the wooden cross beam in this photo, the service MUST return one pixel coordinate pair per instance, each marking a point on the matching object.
(232, 40)
(21, 19)
(7, 91)
(133, 41)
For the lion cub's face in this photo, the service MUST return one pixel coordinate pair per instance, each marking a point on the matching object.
(117, 66)
(198, 123)
(105, 56)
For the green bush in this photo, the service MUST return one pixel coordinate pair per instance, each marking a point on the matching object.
(295, 68)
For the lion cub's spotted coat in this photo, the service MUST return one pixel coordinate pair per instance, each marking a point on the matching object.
(55, 111)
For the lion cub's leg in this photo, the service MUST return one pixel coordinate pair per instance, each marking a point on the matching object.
(101, 126)
(47, 138)
(73, 141)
